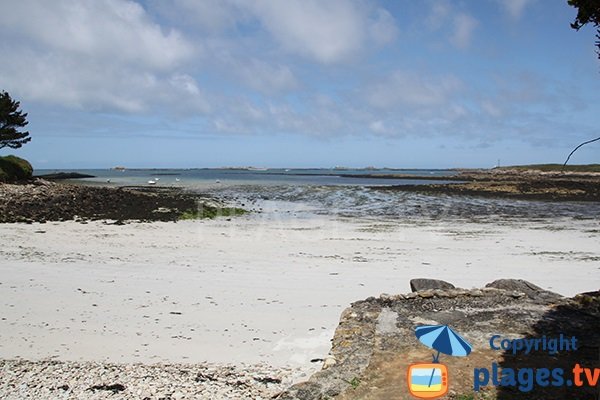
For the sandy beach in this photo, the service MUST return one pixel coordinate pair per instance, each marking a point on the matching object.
(261, 288)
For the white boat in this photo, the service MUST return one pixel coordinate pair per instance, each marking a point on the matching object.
(151, 182)
(177, 179)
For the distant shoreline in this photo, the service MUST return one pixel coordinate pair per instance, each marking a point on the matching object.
(523, 184)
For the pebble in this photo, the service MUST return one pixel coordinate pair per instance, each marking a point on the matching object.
(49, 379)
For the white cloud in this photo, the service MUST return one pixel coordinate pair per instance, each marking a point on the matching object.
(211, 16)
(491, 108)
(464, 25)
(383, 29)
(263, 77)
(326, 31)
(515, 8)
(114, 30)
(449, 20)
(91, 54)
(403, 88)
(440, 10)
(378, 127)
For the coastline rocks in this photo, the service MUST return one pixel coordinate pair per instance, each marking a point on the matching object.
(48, 201)
(64, 175)
(513, 183)
(419, 284)
(375, 341)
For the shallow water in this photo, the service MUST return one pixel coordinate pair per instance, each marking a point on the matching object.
(362, 201)
(330, 192)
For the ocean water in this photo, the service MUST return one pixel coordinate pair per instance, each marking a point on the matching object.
(333, 191)
(201, 178)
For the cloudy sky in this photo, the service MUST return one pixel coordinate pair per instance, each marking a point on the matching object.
(190, 83)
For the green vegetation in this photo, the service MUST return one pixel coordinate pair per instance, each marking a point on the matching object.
(13, 169)
(212, 212)
(588, 12)
(355, 382)
(11, 120)
(556, 167)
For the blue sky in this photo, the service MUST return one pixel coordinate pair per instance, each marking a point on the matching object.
(300, 83)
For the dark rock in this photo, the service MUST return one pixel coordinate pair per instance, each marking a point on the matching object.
(522, 286)
(201, 377)
(424, 284)
(64, 175)
(266, 379)
(115, 388)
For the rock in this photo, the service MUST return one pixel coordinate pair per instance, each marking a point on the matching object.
(64, 175)
(525, 288)
(42, 182)
(426, 294)
(329, 361)
(419, 284)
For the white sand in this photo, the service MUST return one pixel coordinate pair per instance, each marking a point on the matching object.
(254, 289)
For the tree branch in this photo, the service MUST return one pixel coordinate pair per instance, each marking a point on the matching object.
(575, 149)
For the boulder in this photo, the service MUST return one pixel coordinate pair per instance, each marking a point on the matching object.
(419, 284)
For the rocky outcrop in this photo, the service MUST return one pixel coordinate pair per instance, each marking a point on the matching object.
(424, 284)
(375, 341)
(44, 201)
(64, 175)
(529, 289)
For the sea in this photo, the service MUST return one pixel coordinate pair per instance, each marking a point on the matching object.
(344, 192)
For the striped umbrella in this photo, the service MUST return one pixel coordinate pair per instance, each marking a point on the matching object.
(443, 339)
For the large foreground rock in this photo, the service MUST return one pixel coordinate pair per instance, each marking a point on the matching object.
(375, 341)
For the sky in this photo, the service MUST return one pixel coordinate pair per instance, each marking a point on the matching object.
(300, 83)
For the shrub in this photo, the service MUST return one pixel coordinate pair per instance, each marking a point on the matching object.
(13, 169)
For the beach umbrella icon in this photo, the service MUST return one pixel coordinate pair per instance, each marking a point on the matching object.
(443, 339)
